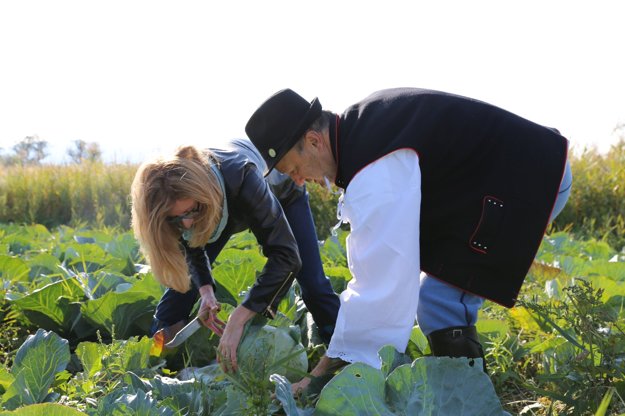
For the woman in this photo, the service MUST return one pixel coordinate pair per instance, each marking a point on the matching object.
(185, 209)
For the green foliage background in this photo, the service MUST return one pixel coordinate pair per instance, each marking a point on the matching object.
(560, 351)
(97, 194)
(596, 207)
(91, 193)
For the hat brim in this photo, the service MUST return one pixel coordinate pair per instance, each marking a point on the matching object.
(313, 113)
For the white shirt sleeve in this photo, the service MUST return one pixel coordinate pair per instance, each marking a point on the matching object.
(382, 205)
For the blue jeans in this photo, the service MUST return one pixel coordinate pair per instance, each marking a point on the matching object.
(317, 292)
(443, 306)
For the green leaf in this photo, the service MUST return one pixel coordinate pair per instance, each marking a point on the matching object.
(613, 269)
(90, 258)
(391, 359)
(291, 306)
(6, 379)
(265, 350)
(332, 252)
(524, 319)
(126, 248)
(123, 246)
(128, 312)
(199, 349)
(53, 306)
(235, 403)
(605, 403)
(43, 264)
(236, 270)
(284, 395)
(544, 343)
(558, 328)
(37, 232)
(161, 387)
(598, 250)
(419, 340)
(357, 390)
(611, 288)
(187, 397)
(492, 327)
(120, 313)
(442, 385)
(18, 244)
(580, 267)
(47, 409)
(13, 269)
(96, 285)
(26, 238)
(90, 355)
(339, 277)
(136, 354)
(130, 402)
(37, 361)
(243, 241)
(142, 404)
(430, 385)
(123, 356)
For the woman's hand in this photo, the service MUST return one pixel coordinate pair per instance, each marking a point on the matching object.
(227, 349)
(209, 308)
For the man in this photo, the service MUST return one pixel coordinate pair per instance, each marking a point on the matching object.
(436, 183)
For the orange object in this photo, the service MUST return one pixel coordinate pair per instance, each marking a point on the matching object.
(158, 343)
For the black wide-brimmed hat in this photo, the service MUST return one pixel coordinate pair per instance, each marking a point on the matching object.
(279, 123)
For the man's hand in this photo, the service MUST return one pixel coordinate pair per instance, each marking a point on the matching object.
(209, 308)
(300, 387)
(325, 367)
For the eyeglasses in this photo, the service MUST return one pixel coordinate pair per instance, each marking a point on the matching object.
(189, 215)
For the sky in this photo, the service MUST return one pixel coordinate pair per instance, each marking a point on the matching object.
(143, 77)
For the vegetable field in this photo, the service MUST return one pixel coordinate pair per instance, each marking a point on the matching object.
(77, 304)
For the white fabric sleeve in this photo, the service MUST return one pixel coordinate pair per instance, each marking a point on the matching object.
(382, 205)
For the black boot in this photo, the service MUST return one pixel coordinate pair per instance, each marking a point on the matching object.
(460, 341)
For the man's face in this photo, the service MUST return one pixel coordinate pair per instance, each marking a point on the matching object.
(302, 164)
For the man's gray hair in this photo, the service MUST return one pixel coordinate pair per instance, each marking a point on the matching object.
(321, 124)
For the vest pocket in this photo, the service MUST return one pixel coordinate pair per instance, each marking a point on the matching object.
(484, 235)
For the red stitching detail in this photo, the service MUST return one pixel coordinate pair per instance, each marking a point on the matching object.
(471, 242)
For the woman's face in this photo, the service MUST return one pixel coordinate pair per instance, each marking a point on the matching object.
(183, 213)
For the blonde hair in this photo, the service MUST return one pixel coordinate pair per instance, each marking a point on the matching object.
(157, 185)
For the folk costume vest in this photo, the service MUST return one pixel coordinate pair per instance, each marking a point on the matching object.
(489, 181)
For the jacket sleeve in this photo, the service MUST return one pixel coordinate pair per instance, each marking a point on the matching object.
(199, 265)
(269, 225)
(283, 187)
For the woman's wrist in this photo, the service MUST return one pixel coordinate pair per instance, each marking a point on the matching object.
(206, 289)
(241, 315)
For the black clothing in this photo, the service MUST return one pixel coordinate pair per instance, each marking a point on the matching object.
(251, 205)
(489, 181)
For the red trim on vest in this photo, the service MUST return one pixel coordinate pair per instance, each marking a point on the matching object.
(336, 146)
(479, 246)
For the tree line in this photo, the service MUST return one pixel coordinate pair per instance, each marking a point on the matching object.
(32, 150)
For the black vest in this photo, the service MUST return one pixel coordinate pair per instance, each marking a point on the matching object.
(489, 181)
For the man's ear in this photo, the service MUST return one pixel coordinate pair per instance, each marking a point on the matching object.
(314, 138)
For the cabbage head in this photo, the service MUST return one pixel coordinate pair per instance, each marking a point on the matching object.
(266, 350)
